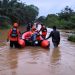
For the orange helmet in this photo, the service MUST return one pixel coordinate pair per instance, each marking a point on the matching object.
(15, 25)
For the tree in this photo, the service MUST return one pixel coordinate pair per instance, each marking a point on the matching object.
(51, 20)
(18, 11)
(41, 19)
(66, 13)
(66, 18)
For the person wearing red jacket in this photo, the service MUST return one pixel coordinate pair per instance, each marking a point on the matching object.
(44, 31)
(13, 36)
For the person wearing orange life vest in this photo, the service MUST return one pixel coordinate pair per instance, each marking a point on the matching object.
(33, 36)
(43, 30)
(13, 36)
(36, 37)
(39, 38)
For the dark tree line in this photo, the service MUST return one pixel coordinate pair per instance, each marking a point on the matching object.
(17, 11)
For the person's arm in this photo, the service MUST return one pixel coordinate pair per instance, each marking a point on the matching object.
(59, 37)
(49, 35)
(19, 33)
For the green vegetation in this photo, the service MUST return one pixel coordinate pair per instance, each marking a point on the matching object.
(71, 38)
(17, 11)
(64, 20)
(5, 22)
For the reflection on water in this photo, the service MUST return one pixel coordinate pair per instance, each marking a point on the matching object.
(55, 57)
(37, 55)
(12, 59)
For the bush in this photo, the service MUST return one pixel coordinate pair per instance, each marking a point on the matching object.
(5, 22)
(71, 38)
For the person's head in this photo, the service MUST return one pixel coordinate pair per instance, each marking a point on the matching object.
(54, 27)
(15, 25)
(33, 28)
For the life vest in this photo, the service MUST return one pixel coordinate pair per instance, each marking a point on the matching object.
(14, 33)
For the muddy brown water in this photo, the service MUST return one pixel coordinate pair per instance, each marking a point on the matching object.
(39, 61)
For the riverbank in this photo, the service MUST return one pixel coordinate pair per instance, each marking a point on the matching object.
(70, 34)
(68, 31)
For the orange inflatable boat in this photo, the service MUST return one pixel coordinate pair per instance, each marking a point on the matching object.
(28, 42)
(45, 44)
(21, 42)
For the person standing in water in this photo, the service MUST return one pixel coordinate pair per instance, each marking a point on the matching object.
(13, 36)
(55, 36)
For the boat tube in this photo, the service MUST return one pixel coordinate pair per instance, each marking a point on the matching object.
(38, 42)
(21, 42)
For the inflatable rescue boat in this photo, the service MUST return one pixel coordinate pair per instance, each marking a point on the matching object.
(27, 41)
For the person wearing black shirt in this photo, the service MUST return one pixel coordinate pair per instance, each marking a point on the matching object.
(55, 36)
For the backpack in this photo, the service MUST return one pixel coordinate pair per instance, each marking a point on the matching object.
(14, 32)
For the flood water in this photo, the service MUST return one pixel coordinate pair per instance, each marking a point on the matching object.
(39, 61)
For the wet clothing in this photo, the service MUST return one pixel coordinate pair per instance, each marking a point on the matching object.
(33, 37)
(13, 36)
(14, 43)
(14, 32)
(55, 37)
